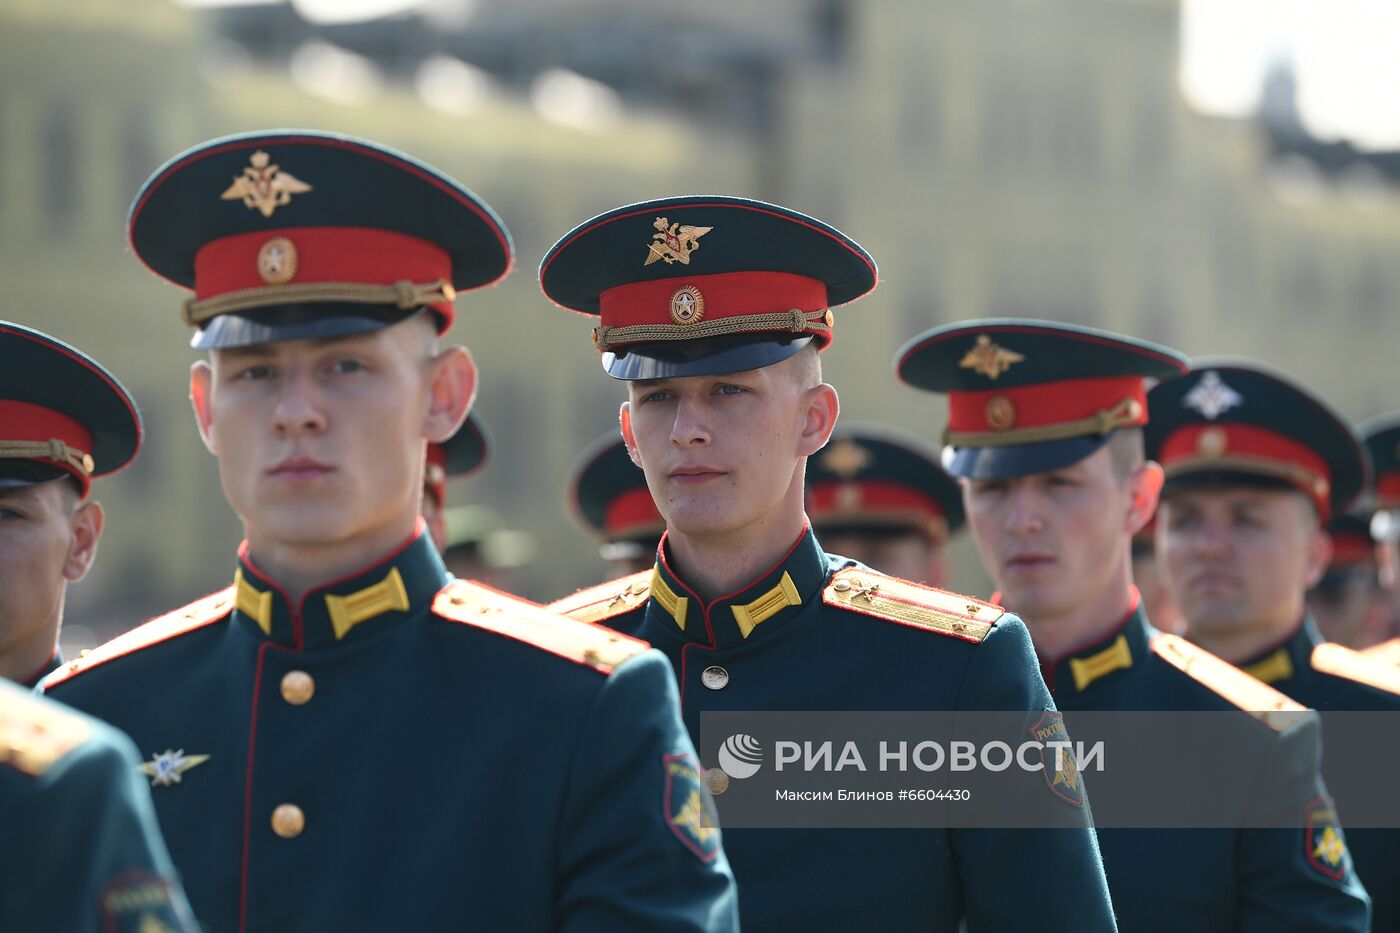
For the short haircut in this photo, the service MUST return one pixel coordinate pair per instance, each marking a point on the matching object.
(1127, 450)
(806, 367)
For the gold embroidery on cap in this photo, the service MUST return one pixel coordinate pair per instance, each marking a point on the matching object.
(687, 305)
(277, 261)
(264, 186)
(1001, 412)
(674, 242)
(989, 359)
(846, 458)
(1212, 442)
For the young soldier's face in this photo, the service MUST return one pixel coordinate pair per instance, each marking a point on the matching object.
(1239, 558)
(47, 538)
(721, 453)
(321, 442)
(1054, 541)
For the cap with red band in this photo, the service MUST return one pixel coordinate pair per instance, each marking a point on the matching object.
(301, 235)
(702, 285)
(1238, 423)
(608, 493)
(1382, 439)
(1028, 396)
(872, 479)
(61, 413)
(459, 456)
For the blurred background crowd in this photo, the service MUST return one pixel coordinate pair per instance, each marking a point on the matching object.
(1222, 176)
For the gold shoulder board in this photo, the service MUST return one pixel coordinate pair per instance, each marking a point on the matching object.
(582, 642)
(201, 612)
(34, 734)
(1340, 661)
(896, 600)
(606, 600)
(1255, 697)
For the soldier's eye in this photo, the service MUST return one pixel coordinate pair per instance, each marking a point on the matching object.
(251, 373)
(347, 366)
(658, 396)
(729, 388)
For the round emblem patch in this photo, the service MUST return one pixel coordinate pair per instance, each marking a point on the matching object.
(1212, 442)
(277, 261)
(1001, 412)
(687, 305)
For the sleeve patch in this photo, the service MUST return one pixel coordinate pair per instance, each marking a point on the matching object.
(582, 642)
(606, 600)
(142, 903)
(1323, 844)
(1057, 760)
(895, 600)
(690, 811)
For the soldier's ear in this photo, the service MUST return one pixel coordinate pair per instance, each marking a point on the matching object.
(624, 423)
(1146, 488)
(87, 521)
(201, 378)
(820, 408)
(1319, 551)
(451, 392)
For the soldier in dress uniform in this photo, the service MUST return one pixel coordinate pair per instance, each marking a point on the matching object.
(608, 495)
(1347, 603)
(344, 738)
(1256, 465)
(713, 309)
(63, 421)
(1045, 426)
(1382, 439)
(879, 495)
(82, 853)
(458, 457)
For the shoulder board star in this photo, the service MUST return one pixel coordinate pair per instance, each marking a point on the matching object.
(168, 767)
(1264, 703)
(201, 612)
(35, 734)
(582, 642)
(606, 600)
(895, 600)
(1340, 661)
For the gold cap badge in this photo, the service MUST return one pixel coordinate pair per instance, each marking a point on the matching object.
(989, 359)
(687, 305)
(264, 186)
(673, 243)
(1001, 412)
(277, 261)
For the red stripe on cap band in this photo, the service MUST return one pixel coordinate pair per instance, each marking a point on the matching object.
(1247, 448)
(869, 495)
(631, 510)
(303, 255)
(1350, 549)
(1388, 490)
(24, 421)
(722, 295)
(1044, 405)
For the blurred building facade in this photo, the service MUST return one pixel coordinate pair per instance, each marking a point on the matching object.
(996, 156)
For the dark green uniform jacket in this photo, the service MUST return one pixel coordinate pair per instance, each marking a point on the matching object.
(79, 847)
(822, 644)
(1330, 677)
(403, 752)
(1210, 880)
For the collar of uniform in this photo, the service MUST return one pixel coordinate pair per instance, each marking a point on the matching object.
(757, 610)
(352, 607)
(54, 662)
(1284, 661)
(1102, 660)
